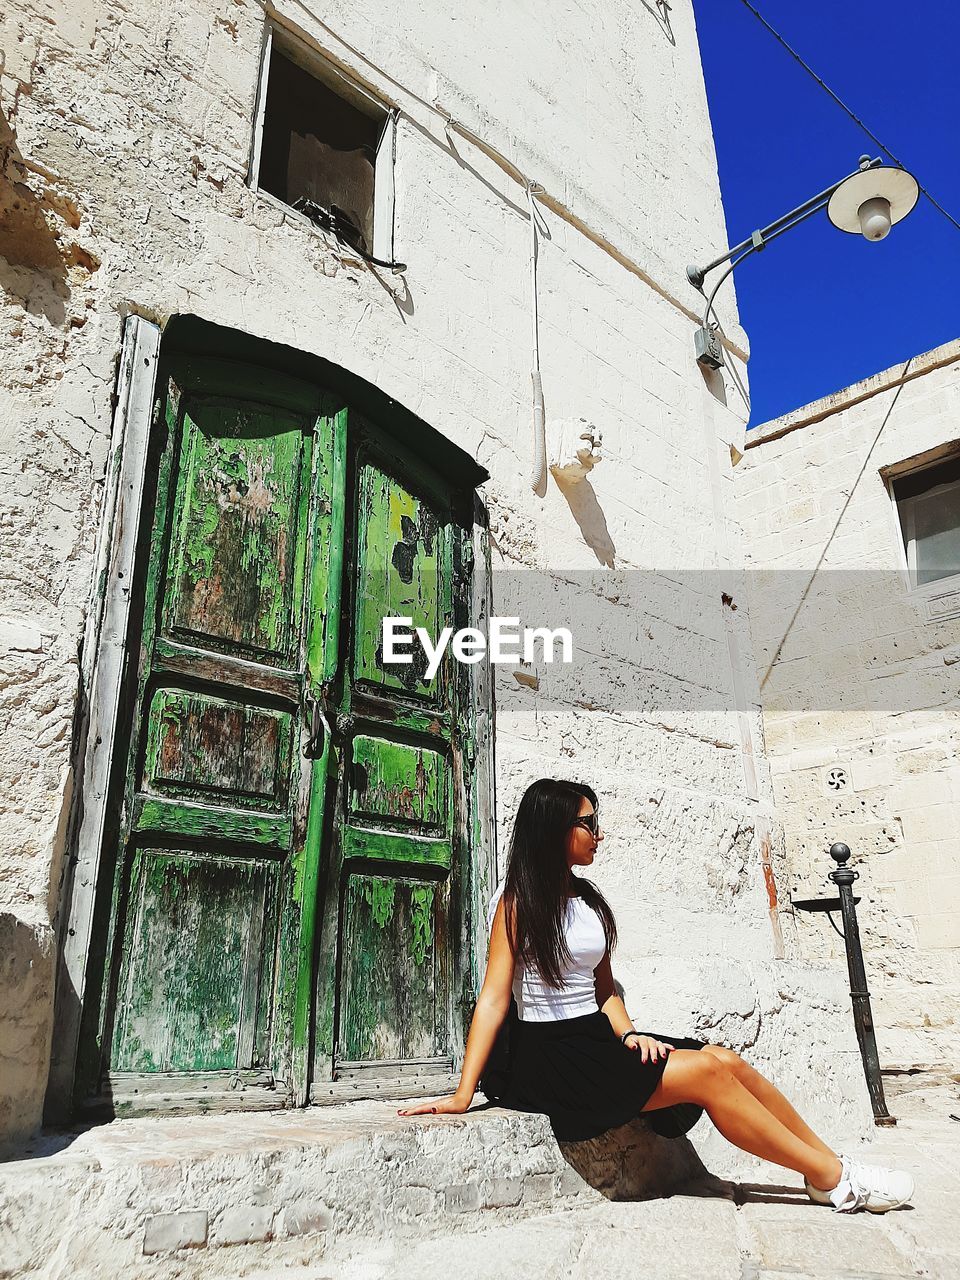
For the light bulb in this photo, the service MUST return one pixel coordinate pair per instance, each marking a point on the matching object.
(874, 215)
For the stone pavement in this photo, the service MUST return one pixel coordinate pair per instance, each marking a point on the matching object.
(765, 1229)
(357, 1193)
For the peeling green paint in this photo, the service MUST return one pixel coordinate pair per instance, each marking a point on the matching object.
(390, 969)
(404, 785)
(379, 896)
(400, 574)
(238, 533)
(199, 550)
(421, 919)
(200, 746)
(187, 974)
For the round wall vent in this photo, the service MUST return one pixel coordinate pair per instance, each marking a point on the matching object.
(836, 779)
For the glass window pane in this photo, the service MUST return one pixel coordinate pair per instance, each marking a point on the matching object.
(937, 531)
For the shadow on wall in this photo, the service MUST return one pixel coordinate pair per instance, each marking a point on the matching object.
(35, 257)
(581, 498)
(660, 9)
(26, 999)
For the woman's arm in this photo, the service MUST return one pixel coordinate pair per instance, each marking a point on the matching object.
(492, 1007)
(607, 998)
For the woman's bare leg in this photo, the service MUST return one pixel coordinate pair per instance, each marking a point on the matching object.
(771, 1097)
(693, 1076)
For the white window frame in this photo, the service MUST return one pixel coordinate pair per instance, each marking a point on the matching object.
(940, 599)
(299, 51)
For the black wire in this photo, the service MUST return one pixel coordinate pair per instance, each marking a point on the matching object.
(840, 103)
(340, 225)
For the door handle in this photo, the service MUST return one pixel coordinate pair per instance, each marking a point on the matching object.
(319, 728)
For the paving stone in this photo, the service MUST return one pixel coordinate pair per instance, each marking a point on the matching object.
(415, 1202)
(304, 1219)
(462, 1199)
(538, 1186)
(165, 1232)
(531, 1249)
(497, 1193)
(942, 1266)
(683, 1255)
(244, 1224)
(571, 1183)
(847, 1242)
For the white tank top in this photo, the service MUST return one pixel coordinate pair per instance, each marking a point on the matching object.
(537, 1002)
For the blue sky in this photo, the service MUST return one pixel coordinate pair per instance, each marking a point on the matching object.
(824, 309)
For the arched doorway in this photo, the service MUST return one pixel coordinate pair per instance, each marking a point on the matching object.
(286, 884)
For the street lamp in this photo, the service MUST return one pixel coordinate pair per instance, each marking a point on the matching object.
(867, 202)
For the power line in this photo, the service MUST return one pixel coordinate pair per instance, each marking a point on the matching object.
(826, 546)
(843, 106)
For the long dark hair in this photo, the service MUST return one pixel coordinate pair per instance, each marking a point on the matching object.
(534, 891)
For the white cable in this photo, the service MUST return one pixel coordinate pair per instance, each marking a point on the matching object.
(538, 473)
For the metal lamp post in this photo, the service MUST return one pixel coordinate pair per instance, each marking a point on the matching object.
(843, 877)
(867, 202)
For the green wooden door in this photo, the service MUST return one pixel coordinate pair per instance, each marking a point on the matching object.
(293, 845)
(390, 964)
(215, 883)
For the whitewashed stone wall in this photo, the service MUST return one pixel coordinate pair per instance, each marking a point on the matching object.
(865, 678)
(127, 132)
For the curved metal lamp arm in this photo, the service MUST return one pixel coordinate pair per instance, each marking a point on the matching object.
(705, 318)
(758, 239)
(707, 344)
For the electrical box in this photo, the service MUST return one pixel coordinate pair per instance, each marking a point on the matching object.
(707, 346)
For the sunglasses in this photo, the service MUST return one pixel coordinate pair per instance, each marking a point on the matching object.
(591, 822)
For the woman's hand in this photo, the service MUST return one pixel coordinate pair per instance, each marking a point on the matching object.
(647, 1045)
(454, 1105)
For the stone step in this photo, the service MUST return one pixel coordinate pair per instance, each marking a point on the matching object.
(213, 1195)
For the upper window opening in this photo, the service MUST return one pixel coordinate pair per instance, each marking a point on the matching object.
(324, 147)
(928, 503)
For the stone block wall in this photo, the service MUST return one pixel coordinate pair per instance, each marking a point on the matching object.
(861, 679)
(124, 157)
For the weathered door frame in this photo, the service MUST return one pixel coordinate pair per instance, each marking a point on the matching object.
(103, 674)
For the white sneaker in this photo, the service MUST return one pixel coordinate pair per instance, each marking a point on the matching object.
(865, 1186)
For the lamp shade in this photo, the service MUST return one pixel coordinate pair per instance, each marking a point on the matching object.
(899, 188)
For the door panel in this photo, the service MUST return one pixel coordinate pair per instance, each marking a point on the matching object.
(235, 566)
(202, 747)
(400, 573)
(400, 787)
(208, 921)
(391, 970)
(385, 960)
(191, 995)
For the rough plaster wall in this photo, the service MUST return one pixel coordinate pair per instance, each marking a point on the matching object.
(868, 680)
(128, 135)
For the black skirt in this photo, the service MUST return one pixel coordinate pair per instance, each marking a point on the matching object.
(576, 1071)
